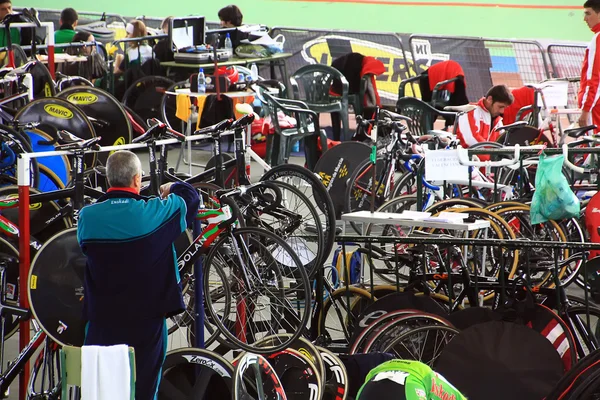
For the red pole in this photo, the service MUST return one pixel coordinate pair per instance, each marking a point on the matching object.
(23, 278)
(51, 61)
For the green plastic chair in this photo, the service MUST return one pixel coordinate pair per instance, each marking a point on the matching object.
(280, 144)
(70, 369)
(422, 114)
(312, 83)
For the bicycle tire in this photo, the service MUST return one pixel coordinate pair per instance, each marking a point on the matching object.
(374, 327)
(11, 324)
(580, 332)
(310, 232)
(363, 299)
(58, 269)
(192, 371)
(512, 213)
(335, 384)
(392, 329)
(19, 143)
(312, 187)
(291, 359)
(391, 347)
(335, 165)
(359, 188)
(259, 364)
(246, 239)
(306, 348)
(168, 107)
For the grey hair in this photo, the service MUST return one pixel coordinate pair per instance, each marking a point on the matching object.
(121, 167)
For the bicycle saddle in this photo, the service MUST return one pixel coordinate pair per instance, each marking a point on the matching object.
(513, 125)
(440, 134)
(576, 132)
(461, 109)
(88, 144)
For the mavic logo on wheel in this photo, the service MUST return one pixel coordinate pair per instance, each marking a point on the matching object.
(58, 111)
(47, 90)
(82, 98)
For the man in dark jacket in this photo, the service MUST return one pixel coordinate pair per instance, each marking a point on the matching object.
(131, 277)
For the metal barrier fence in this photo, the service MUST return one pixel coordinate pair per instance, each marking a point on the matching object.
(323, 46)
(486, 62)
(565, 61)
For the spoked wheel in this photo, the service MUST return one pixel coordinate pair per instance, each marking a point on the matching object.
(424, 344)
(195, 373)
(61, 114)
(269, 288)
(56, 288)
(108, 116)
(144, 96)
(311, 186)
(168, 107)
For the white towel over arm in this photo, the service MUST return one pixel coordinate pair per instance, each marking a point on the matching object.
(105, 373)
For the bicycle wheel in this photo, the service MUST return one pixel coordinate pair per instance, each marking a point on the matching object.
(10, 253)
(390, 271)
(518, 219)
(587, 338)
(336, 378)
(144, 96)
(312, 187)
(335, 165)
(296, 220)
(269, 287)
(12, 144)
(39, 215)
(424, 344)
(195, 373)
(168, 107)
(340, 310)
(55, 288)
(361, 186)
(254, 370)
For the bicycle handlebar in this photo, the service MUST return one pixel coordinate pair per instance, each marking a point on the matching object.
(218, 127)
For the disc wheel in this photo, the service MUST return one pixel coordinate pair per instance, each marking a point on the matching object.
(112, 122)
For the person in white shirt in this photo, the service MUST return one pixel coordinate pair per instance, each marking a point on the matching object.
(137, 52)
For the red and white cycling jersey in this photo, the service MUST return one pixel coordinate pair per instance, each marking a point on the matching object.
(476, 126)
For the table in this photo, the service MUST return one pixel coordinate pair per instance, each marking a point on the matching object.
(277, 59)
(401, 220)
(196, 111)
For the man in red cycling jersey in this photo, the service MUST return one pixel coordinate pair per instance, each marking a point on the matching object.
(478, 125)
(588, 95)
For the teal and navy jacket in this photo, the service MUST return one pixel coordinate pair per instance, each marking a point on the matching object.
(131, 269)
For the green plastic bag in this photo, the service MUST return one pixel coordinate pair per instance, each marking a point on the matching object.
(553, 199)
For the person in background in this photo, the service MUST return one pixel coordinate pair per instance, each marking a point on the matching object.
(479, 125)
(6, 9)
(137, 52)
(81, 36)
(66, 32)
(231, 17)
(162, 49)
(587, 98)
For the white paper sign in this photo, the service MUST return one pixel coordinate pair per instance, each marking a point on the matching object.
(183, 37)
(443, 165)
(556, 93)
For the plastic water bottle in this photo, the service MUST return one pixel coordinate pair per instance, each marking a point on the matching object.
(254, 72)
(201, 81)
(228, 45)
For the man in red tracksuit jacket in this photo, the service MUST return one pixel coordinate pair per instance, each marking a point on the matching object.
(478, 125)
(590, 71)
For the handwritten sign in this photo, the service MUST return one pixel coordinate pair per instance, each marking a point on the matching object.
(556, 93)
(443, 165)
